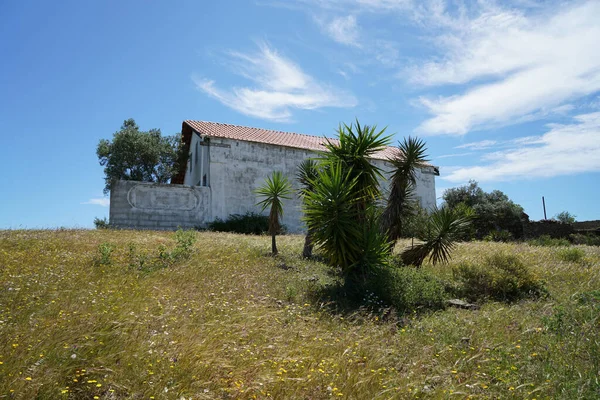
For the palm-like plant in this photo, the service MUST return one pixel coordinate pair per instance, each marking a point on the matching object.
(308, 172)
(331, 214)
(356, 146)
(445, 228)
(275, 189)
(339, 210)
(401, 203)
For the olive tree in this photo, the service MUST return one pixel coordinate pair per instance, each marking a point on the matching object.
(137, 155)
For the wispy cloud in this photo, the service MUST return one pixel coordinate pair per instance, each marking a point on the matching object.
(454, 155)
(279, 86)
(563, 150)
(100, 201)
(523, 67)
(483, 144)
(343, 30)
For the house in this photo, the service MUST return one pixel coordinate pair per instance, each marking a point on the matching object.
(226, 163)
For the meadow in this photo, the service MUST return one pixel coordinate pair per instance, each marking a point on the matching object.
(128, 314)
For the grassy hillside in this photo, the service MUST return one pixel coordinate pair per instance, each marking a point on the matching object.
(90, 314)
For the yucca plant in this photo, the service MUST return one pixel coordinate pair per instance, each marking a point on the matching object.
(331, 215)
(275, 189)
(308, 172)
(444, 229)
(340, 208)
(353, 152)
(401, 204)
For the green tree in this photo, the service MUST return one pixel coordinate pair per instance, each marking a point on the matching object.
(140, 155)
(275, 189)
(565, 217)
(493, 211)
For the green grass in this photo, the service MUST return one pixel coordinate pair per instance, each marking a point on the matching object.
(81, 316)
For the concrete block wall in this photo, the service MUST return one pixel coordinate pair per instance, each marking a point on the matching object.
(551, 228)
(141, 205)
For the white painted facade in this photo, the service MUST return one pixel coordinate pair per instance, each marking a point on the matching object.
(228, 171)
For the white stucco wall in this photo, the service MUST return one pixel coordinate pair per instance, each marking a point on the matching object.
(235, 168)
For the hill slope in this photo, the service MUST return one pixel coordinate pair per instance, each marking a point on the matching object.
(88, 314)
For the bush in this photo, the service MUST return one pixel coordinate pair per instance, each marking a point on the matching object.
(101, 223)
(165, 257)
(571, 255)
(248, 224)
(183, 248)
(493, 211)
(546, 240)
(406, 289)
(498, 236)
(502, 277)
(587, 239)
(105, 251)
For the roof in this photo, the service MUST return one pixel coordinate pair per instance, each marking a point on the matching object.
(266, 136)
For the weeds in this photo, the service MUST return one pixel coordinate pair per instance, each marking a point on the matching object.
(499, 236)
(589, 239)
(105, 251)
(501, 277)
(228, 322)
(574, 255)
(546, 240)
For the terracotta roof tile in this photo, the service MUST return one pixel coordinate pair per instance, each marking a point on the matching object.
(279, 138)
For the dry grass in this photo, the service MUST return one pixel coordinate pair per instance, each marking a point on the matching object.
(232, 322)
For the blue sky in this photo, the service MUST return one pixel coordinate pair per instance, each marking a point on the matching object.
(506, 93)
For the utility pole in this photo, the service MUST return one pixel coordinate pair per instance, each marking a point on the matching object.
(544, 204)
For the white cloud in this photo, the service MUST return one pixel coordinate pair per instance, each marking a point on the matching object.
(523, 67)
(483, 144)
(343, 30)
(563, 150)
(279, 87)
(101, 201)
(454, 155)
(386, 52)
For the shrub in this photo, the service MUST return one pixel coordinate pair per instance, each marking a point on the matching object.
(587, 239)
(546, 240)
(493, 211)
(406, 288)
(138, 259)
(185, 240)
(105, 251)
(498, 236)
(501, 277)
(565, 217)
(250, 224)
(101, 223)
(571, 255)
(183, 248)
(165, 257)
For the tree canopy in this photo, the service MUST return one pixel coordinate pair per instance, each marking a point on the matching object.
(565, 217)
(137, 155)
(493, 211)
